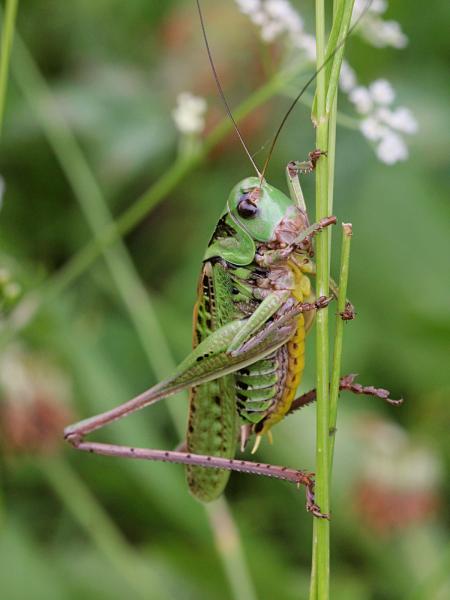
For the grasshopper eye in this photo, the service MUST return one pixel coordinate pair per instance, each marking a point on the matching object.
(246, 208)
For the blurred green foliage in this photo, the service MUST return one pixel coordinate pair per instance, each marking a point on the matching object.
(75, 526)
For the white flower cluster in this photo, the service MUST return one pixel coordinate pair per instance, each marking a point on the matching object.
(189, 114)
(277, 18)
(381, 124)
(374, 29)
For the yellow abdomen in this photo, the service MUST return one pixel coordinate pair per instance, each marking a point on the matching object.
(296, 354)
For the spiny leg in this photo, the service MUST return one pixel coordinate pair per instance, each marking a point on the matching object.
(308, 233)
(284, 321)
(268, 307)
(347, 384)
(212, 462)
(292, 171)
(306, 166)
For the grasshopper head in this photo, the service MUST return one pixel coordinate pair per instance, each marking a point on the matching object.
(264, 212)
(256, 213)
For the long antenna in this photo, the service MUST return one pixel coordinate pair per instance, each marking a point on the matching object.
(306, 86)
(221, 92)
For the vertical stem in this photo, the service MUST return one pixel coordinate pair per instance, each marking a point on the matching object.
(337, 354)
(321, 529)
(326, 112)
(9, 19)
(331, 156)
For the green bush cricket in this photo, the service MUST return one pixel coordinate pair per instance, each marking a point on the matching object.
(255, 306)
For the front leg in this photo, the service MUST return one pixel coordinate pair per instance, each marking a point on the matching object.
(283, 327)
(292, 171)
(267, 309)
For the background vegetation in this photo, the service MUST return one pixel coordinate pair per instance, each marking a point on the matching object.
(76, 526)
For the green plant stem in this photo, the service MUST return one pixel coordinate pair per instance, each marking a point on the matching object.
(338, 338)
(94, 207)
(85, 509)
(9, 21)
(326, 109)
(344, 8)
(331, 162)
(321, 544)
(342, 119)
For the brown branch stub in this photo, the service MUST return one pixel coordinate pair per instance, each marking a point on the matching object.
(349, 313)
(347, 229)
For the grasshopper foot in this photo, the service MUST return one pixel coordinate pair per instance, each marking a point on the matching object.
(315, 155)
(307, 480)
(347, 383)
(295, 167)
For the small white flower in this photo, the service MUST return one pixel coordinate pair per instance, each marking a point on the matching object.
(382, 124)
(358, 9)
(347, 78)
(382, 91)
(271, 31)
(286, 15)
(372, 129)
(362, 99)
(392, 35)
(274, 18)
(279, 9)
(378, 6)
(189, 114)
(401, 119)
(392, 148)
(384, 33)
(374, 29)
(307, 43)
(247, 7)
(259, 18)
(295, 25)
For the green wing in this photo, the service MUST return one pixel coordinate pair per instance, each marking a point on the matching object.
(212, 426)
